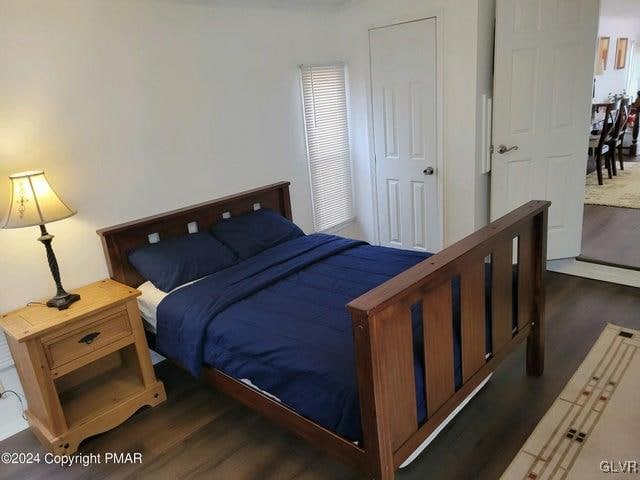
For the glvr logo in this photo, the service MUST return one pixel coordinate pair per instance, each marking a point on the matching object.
(627, 466)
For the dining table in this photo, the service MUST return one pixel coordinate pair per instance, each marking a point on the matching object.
(596, 105)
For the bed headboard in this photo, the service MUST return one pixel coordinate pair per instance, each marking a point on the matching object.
(118, 240)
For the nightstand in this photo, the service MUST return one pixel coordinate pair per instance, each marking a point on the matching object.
(84, 370)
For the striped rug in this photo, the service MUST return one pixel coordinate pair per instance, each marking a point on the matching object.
(592, 431)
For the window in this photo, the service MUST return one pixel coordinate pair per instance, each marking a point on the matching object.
(326, 124)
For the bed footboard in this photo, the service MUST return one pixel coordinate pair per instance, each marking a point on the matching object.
(383, 332)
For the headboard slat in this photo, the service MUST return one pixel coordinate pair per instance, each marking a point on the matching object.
(119, 240)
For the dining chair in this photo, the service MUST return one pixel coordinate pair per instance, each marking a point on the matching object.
(618, 133)
(599, 144)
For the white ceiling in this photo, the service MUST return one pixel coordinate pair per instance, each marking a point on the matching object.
(319, 4)
(296, 3)
(608, 8)
(620, 8)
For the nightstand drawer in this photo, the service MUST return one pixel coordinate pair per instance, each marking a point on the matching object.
(66, 347)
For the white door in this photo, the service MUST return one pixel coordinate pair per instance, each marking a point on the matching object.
(403, 82)
(542, 93)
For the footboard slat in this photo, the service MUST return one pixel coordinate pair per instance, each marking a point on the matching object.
(395, 361)
(501, 295)
(472, 306)
(526, 269)
(438, 346)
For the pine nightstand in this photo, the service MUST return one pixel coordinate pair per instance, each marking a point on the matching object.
(84, 370)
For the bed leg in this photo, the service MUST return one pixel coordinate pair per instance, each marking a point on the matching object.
(376, 439)
(384, 473)
(535, 351)
(535, 341)
(378, 470)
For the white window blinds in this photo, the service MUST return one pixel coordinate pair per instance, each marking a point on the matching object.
(326, 123)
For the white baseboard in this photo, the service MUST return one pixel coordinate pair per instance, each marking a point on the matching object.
(605, 273)
(10, 429)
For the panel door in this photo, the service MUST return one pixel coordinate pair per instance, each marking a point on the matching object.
(403, 82)
(542, 94)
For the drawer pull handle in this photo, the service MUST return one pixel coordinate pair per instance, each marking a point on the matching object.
(89, 338)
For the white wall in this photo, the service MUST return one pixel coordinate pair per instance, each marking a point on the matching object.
(616, 80)
(467, 27)
(634, 80)
(136, 107)
(133, 108)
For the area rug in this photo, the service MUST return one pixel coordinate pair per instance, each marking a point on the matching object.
(622, 190)
(593, 428)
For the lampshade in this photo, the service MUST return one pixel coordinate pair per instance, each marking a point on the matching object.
(34, 201)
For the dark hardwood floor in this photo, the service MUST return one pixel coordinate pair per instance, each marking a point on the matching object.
(199, 433)
(611, 235)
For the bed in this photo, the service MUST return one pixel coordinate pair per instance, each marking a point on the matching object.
(363, 351)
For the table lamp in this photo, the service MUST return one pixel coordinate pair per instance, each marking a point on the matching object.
(35, 202)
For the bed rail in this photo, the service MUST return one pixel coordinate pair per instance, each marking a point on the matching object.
(384, 338)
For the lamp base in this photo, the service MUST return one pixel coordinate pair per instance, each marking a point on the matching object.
(62, 302)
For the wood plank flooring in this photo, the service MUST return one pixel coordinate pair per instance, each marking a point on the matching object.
(199, 433)
(611, 235)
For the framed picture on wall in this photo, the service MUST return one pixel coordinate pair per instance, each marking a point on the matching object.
(603, 55)
(621, 53)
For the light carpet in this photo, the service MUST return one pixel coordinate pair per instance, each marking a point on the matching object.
(622, 190)
(593, 428)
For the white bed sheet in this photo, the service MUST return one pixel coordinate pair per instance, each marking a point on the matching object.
(151, 298)
(148, 303)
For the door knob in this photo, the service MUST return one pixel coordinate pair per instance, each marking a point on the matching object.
(505, 149)
(428, 171)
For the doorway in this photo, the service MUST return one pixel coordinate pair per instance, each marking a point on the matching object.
(543, 83)
(404, 97)
(611, 216)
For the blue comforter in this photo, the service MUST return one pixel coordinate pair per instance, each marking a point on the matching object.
(279, 320)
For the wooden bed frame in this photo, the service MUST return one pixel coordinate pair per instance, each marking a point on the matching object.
(382, 324)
